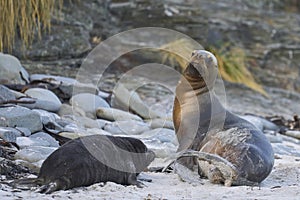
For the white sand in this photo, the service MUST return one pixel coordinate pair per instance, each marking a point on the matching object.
(283, 183)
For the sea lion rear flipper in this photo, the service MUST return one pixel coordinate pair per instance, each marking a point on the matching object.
(48, 188)
(26, 183)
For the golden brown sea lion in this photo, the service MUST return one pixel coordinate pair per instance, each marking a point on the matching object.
(229, 149)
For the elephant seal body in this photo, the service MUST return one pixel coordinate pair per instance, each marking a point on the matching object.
(92, 159)
(229, 149)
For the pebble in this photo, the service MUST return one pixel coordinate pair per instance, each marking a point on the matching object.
(88, 103)
(24, 131)
(68, 86)
(34, 153)
(102, 123)
(45, 99)
(103, 95)
(46, 77)
(9, 134)
(71, 135)
(45, 137)
(294, 134)
(161, 123)
(130, 127)
(11, 70)
(47, 117)
(37, 139)
(17, 116)
(113, 114)
(260, 123)
(97, 131)
(282, 149)
(23, 142)
(71, 128)
(82, 133)
(273, 137)
(162, 134)
(161, 150)
(79, 88)
(83, 122)
(6, 94)
(67, 109)
(125, 99)
(17, 131)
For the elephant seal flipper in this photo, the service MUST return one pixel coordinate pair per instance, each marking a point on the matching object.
(230, 149)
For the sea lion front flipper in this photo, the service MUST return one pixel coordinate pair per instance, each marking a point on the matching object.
(216, 168)
(48, 189)
(186, 174)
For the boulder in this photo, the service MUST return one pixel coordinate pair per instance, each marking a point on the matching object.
(88, 102)
(17, 116)
(45, 100)
(11, 70)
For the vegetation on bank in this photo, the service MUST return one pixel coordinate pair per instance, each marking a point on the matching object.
(28, 18)
(231, 61)
(25, 18)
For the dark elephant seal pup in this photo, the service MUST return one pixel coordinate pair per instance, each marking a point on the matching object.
(226, 148)
(92, 159)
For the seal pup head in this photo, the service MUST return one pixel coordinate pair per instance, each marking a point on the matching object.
(202, 68)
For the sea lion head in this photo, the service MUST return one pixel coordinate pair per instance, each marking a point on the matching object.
(202, 68)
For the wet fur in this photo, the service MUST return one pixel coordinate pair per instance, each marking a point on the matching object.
(72, 165)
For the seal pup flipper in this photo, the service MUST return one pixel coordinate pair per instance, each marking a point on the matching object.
(25, 183)
(48, 189)
(217, 169)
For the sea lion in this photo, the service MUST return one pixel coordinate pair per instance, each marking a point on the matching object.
(229, 149)
(91, 159)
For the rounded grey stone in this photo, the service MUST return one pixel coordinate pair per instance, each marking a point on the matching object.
(130, 127)
(34, 153)
(45, 99)
(88, 102)
(17, 116)
(11, 70)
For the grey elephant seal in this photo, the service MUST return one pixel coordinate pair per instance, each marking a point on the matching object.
(225, 148)
(91, 159)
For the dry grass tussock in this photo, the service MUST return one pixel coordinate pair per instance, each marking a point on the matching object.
(25, 18)
(231, 60)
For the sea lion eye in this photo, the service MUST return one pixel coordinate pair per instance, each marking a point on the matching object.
(194, 52)
(209, 57)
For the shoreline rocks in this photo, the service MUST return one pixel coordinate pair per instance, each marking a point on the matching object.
(85, 113)
(17, 116)
(44, 99)
(11, 70)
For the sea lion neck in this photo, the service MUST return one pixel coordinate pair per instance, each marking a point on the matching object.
(195, 84)
(202, 70)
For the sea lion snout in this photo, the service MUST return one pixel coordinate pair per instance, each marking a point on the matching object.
(203, 67)
(202, 56)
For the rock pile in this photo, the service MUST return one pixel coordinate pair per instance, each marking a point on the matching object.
(31, 107)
